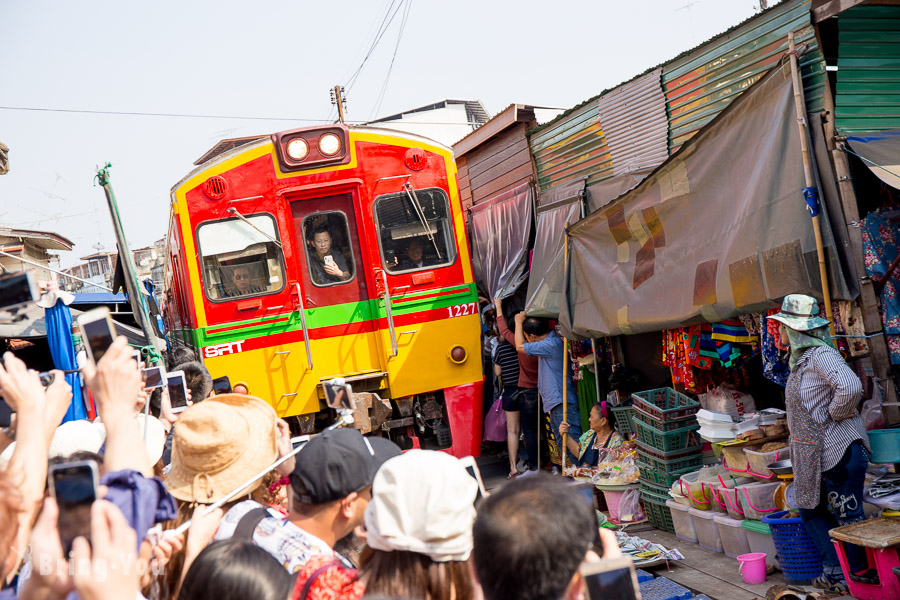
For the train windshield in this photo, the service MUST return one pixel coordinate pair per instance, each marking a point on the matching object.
(241, 258)
(411, 240)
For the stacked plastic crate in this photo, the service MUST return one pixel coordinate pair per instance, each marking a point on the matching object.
(668, 447)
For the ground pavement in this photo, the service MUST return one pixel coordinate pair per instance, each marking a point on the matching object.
(702, 571)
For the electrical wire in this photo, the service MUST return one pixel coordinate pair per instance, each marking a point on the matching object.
(391, 67)
(377, 39)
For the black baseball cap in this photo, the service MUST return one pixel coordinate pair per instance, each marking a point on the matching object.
(336, 463)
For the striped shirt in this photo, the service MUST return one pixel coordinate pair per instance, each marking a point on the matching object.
(508, 359)
(830, 392)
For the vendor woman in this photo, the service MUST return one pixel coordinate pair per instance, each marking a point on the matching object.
(829, 447)
(602, 435)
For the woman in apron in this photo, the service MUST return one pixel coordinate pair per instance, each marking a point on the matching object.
(600, 437)
(829, 447)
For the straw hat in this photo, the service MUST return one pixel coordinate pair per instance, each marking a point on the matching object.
(220, 443)
(800, 313)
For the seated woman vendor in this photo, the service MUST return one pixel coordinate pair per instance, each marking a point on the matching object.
(601, 436)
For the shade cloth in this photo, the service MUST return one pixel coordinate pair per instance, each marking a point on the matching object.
(59, 337)
(720, 229)
(557, 206)
(881, 153)
(501, 228)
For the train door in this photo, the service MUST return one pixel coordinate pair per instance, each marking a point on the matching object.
(333, 272)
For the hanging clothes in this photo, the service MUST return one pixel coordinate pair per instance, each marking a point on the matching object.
(881, 244)
(775, 361)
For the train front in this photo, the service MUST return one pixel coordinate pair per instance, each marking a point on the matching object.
(333, 252)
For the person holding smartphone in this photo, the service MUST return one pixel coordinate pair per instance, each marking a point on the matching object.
(326, 265)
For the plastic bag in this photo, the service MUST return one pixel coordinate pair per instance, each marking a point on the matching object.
(495, 423)
(630, 506)
(726, 399)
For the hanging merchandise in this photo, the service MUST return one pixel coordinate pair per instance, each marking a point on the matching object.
(881, 241)
(775, 359)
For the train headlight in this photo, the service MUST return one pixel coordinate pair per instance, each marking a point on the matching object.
(458, 354)
(329, 144)
(297, 149)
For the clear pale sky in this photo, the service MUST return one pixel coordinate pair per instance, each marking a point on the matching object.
(278, 60)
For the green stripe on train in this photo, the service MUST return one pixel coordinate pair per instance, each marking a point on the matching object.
(338, 314)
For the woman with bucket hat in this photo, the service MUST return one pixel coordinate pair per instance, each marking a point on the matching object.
(829, 447)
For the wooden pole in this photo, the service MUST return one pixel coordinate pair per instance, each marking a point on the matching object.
(563, 452)
(800, 106)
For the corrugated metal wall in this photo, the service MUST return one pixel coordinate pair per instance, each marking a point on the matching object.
(697, 87)
(572, 148)
(700, 85)
(634, 121)
(867, 94)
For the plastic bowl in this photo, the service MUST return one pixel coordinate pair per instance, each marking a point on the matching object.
(885, 445)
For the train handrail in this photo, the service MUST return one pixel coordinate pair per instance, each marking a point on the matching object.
(302, 311)
(390, 314)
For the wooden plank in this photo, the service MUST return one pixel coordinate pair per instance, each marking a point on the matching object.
(499, 168)
(877, 533)
(832, 8)
(503, 183)
(508, 144)
(487, 131)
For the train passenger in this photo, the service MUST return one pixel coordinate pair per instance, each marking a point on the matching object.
(326, 265)
(415, 256)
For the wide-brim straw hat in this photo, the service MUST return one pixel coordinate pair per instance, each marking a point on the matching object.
(800, 313)
(219, 444)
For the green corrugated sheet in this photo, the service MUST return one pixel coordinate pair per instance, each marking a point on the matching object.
(867, 95)
(698, 86)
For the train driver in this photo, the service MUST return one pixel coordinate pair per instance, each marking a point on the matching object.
(326, 264)
(415, 256)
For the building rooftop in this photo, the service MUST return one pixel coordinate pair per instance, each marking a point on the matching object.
(42, 239)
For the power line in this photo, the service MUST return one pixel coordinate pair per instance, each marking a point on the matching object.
(391, 67)
(386, 22)
(195, 116)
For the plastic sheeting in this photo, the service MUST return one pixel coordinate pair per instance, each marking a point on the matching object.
(59, 338)
(881, 153)
(500, 230)
(719, 229)
(558, 206)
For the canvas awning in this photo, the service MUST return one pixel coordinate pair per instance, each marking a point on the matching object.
(719, 229)
(881, 153)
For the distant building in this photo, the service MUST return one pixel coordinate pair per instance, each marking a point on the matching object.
(31, 245)
(447, 121)
(99, 268)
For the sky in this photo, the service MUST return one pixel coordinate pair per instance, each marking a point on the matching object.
(275, 62)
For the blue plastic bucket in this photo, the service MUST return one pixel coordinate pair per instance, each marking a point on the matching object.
(885, 445)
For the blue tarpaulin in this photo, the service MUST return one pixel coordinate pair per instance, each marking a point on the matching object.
(59, 337)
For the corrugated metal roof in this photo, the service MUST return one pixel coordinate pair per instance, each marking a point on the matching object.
(867, 94)
(633, 118)
(572, 148)
(697, 85)
(701, 84)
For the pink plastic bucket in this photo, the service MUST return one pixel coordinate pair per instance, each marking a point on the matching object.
(753, 567)
(612, 503)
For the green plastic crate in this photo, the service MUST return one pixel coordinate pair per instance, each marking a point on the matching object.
(624, 416)
(661, 477)
(659, 515)
(656, 493)
(669, 462)
(665, 404)
(640, 415)
(668, 441)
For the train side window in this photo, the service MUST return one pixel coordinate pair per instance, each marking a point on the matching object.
(328, 251)
(404, 239)
(240, 259)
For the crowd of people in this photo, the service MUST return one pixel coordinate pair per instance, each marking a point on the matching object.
(528, 360)
(196, 511)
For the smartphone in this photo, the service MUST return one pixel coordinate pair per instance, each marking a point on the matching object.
(338, 395)
(153, 377)
(222, 385)
(177, 391)
(17, 289)
(98, 331)
(136, 355)
(329, 260)
(611, 579)
(472, 469)
(74, 487)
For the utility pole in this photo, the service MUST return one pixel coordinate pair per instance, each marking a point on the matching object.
(337, 97)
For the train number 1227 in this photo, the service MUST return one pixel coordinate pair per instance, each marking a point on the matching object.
(461, 310)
